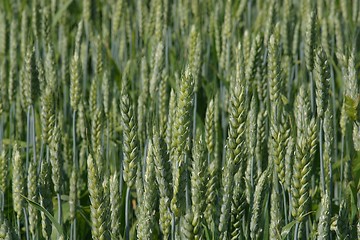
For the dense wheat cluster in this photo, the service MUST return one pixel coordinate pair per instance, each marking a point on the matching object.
(179, 119)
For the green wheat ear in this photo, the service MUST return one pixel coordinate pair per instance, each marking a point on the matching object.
(18, 181)
(310, 40)
(322, 76)
(180, 146)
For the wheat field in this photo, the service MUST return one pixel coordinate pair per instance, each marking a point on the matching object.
(179, 119)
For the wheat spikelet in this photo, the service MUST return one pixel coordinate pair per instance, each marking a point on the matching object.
(324, 219)
(46, 198)
(195, 55)
(97, 211)
(129, 140)
(275, 210)
(32, 186)
(179, 142)
(254, 59)
(163, 175)
(75, 82)
(163, 101)
(4, 171)
(235, 147)
(171, 118)
(115, 205)
(261, 186)
(310, 40)
(5, 231)
(147, 212)
(13, 61)
(73, 194)
(18, 181)
(300, 184)
(322, 76)
(198, 186)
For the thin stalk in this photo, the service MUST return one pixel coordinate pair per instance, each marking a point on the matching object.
(107, 146)
(2, 201)
(284, 199)
(75, 162)
(296, 233)
(59, 208)
(74, 234)
(26, 224)
(322, 170)
(27, 138)
(11, 123)
(76, 165)
(33, 133)
(71, 231)
(1, 131)
(290, 207)
(194, 115)
(342, 164)
(249, 14)
(18, 227)
(127, 225)
(41, 157)
(173, 226)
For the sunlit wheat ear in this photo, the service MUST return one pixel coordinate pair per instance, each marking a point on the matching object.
(45, 25)
(300, 185)
(47, 116)
(195, 55)
(73, 194)
(75, 82)
(251, 134)
(210, 127)
(351, 94)
(237, 210)
(276, 220)
(322, 76)
(274, 71)
(163, 175)
(260, 189)
(129, 140)
(106, 93)
(271, 12)
(254, 58)
(6, 232)
(198, 172)
(4, 171)
(46, 198)
(170, 118)
(97, 211)
(116, 17)
(179, 142)
(163, 99)
(310, 40)
(33, 191)
(236, 141)
(18, 181)
(340, 220)
(55, 159)
(157, 70)
(115, 205)
(3, 26)
(29, 83)
(324, 219)
(148, 207)
(13, 61)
